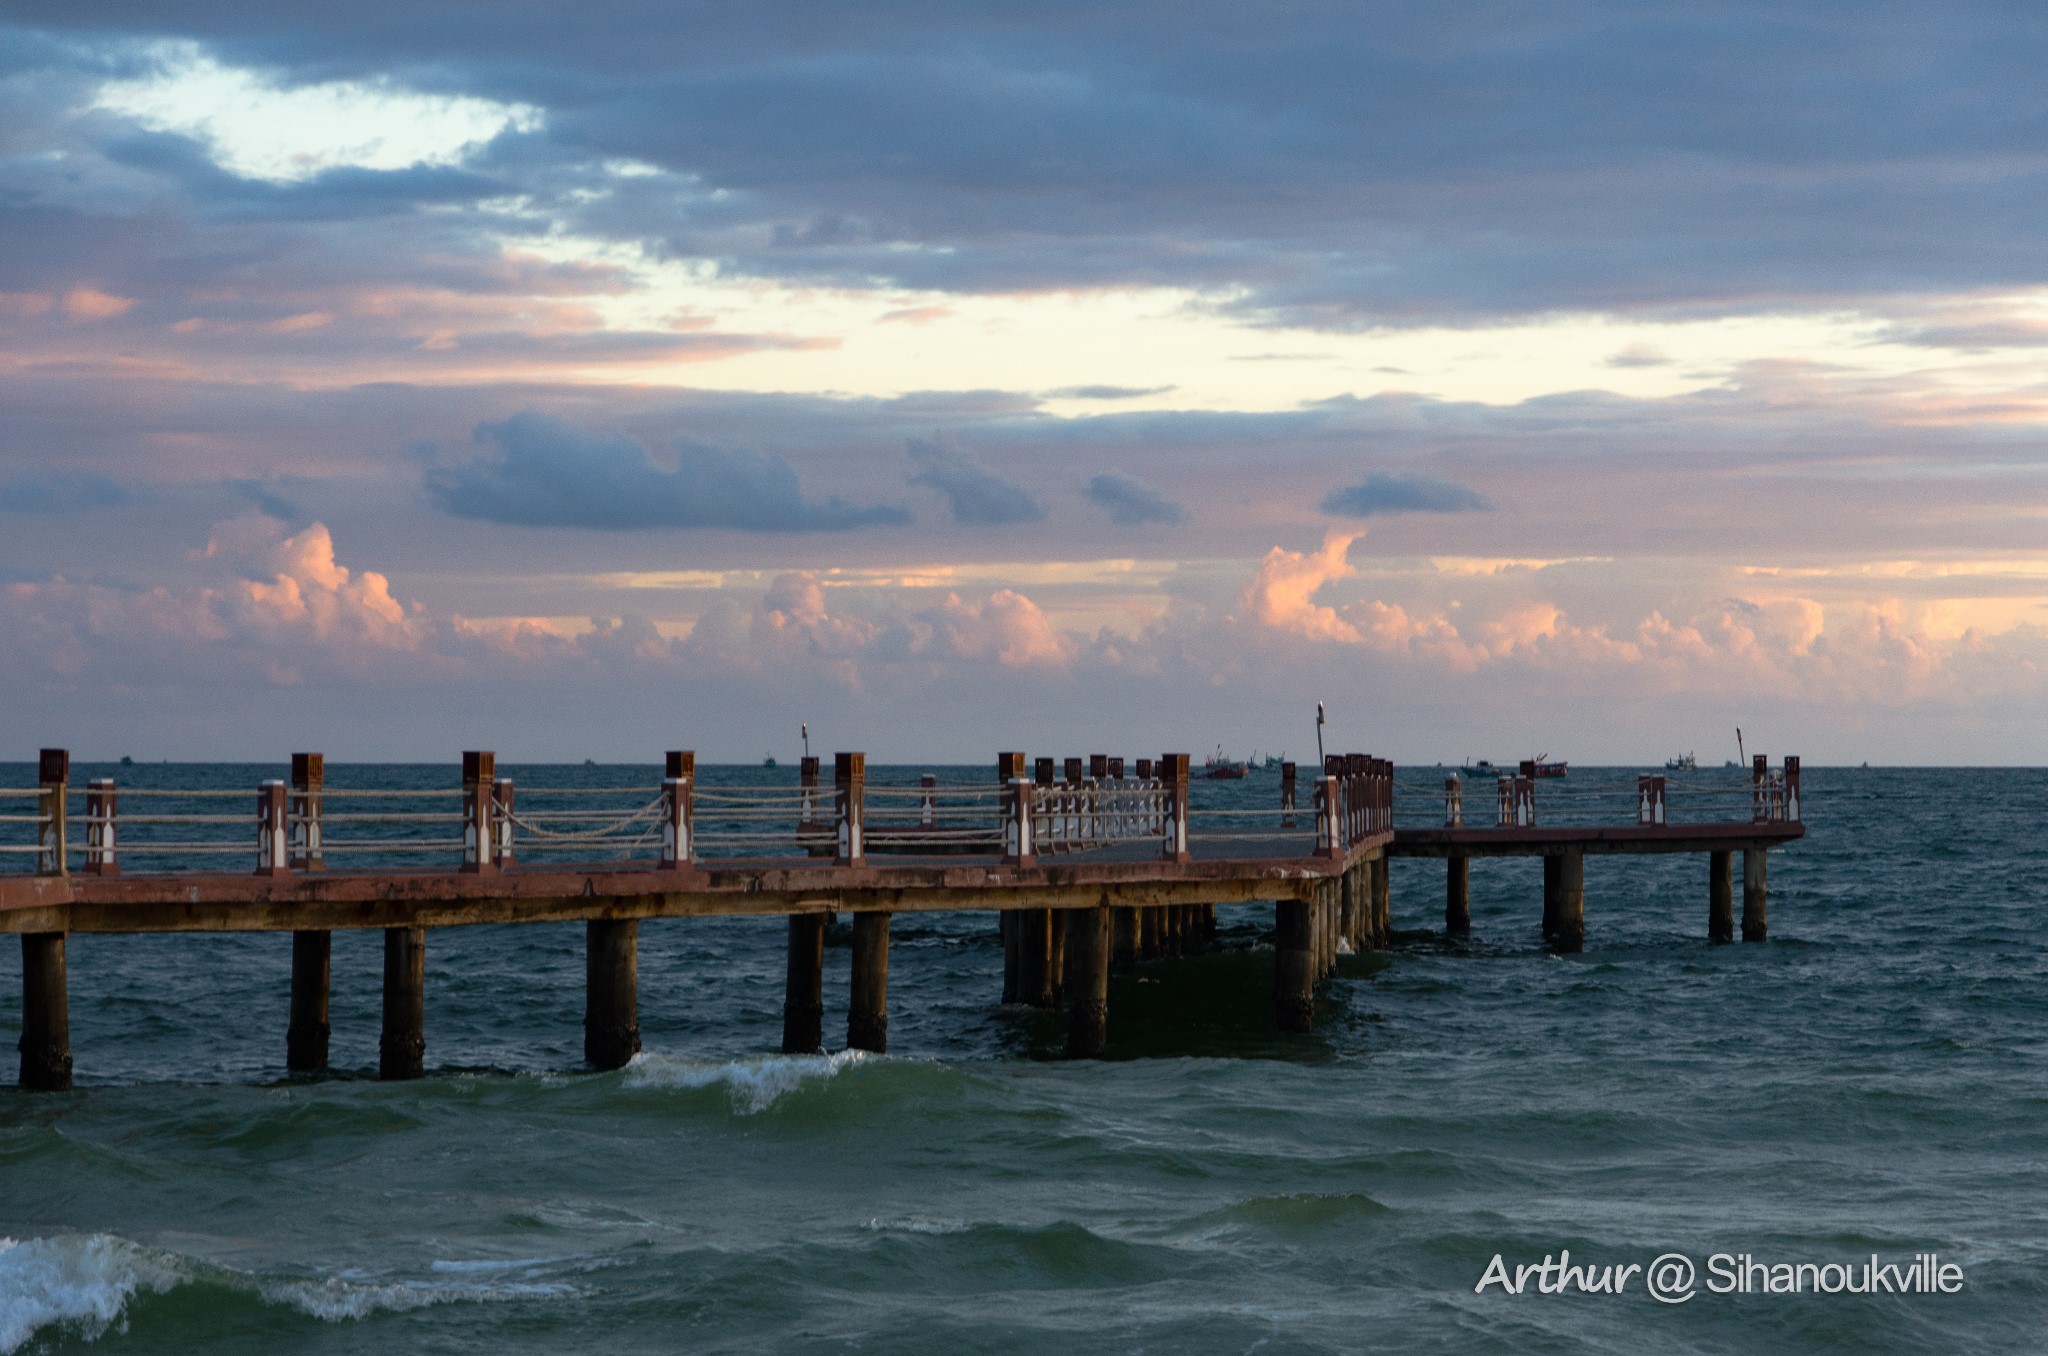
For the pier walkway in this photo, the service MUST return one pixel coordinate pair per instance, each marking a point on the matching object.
(1090, 865)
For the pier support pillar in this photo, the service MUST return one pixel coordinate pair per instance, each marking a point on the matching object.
(1148, 932)
(1721, 897)
(1035, 980)
(1350, 911)
(1755, 893)
(1382, 925)
(45, 1014)
(803, 999)
(1553, 887)
(1006, 926)
(1055, 959)
(867, 1020)
(1294, 974)
(1458, 895)
(1570, 933)
(402, 1048)
(1088, 946)
(1124, 946)
(611, 992)
(305, 1040)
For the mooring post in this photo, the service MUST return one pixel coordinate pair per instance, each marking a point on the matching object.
(1457, 894)
(1720, 897)
(305, 1039)
(402, 1048)
(45, 1014)
(1570, 936)
(479, 792)
(867, 1021)
(1754, 893)
(1294, 975)
(309, 781)
(1382, 902)
(102, 806)
(273, 853)
(803, 999)
(1087, 981)
(611, 992)
(53, 776)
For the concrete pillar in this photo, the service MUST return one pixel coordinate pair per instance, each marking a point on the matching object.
(45, 1014)
(1036, 983)
(867, 1020)
(1721, 897)
(1754, 893)
(1124, 946)
(1006, 926)
(1570, 934)
(611, 992)
(1294, 974)
(1088, 946)
(1382, 904)
(402, 1048)
(1350, 911)
(1458, 895)
(305, 1040)
(803, 998)
(1553, 887)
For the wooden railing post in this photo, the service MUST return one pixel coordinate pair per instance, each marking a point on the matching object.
(302, 836)
(1072, 794)
(1650, 799)
(1173, 776)
(503, 796)
(1045, 816)
(1759, 788)
(53, 774)
(1525, 795)
(479, 779)
(1287, 775)
(807, 793)
(1019, 845)
(927, 803)
(273, 854)
(679, 807)
(1792, 787)
(1504, 812)
(849, 798)
(1329, 818)
(101, 809)
(1454, 802)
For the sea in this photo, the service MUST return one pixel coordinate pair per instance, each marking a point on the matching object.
(1867, 1090)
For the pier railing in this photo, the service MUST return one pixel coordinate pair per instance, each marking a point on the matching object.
(481, 822)
(1768, 795)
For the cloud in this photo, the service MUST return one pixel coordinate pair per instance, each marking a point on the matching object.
(547, 473)
(1384, 492)
(1131, 501)
(977, 495)
(1281, 595)
(61, 492)
(1107, 392)
(1639, 355)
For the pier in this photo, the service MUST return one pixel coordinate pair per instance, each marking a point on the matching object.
(1090, 864)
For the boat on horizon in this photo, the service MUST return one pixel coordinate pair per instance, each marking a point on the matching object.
(1683, 762)
(1217, 768)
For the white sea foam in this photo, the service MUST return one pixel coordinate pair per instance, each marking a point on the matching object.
(347, 1297)
(751, 1084)
(918, 1224)
(79, 1281)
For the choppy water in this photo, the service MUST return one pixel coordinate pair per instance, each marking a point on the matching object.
(1873, 1079)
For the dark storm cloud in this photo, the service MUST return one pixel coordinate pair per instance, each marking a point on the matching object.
(547, 473)
(976, 495)
(1131, 501)
(1395, 492)
(1341, 165)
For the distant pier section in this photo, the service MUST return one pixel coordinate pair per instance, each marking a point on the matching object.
(1090, 864)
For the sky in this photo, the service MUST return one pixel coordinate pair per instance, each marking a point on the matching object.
(1586, 379)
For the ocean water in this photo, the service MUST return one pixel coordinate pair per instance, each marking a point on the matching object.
(1872, 1080)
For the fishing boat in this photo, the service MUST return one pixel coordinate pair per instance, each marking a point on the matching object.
(1484, 768)
(1546, 768)
(1683, 762)
(1217, 768)
(769, 761)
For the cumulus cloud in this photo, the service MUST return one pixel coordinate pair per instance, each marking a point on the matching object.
(547, 473)
(1384, 492)
(1281, 595)
(1132, 502)
(976, 495)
